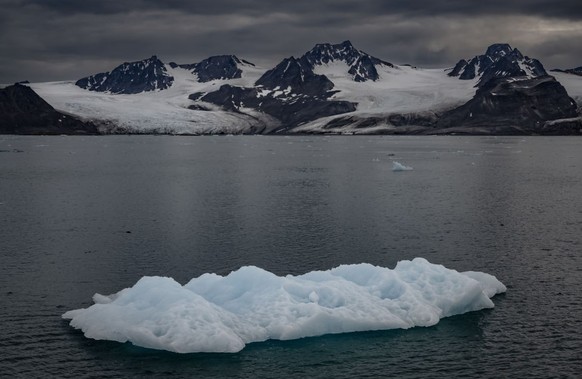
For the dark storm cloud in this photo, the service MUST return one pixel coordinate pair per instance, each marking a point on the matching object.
(67, 39)
(569, 9)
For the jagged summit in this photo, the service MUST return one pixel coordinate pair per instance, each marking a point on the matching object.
(218, 67)
(499, 61)
(362, 66)
(498, 50)
(297, 76)
(323, 53)
(130, 77)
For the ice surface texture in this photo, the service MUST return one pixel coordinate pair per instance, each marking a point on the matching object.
(213, 313)
(396, 166)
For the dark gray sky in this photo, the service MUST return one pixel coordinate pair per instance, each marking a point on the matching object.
(45, 40)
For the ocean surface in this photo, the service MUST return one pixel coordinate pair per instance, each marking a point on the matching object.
(80, 215)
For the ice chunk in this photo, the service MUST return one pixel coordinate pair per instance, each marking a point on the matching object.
(396, 166)
(491, 286)
(214, 313)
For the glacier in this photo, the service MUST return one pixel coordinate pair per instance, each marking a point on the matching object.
(213, 313)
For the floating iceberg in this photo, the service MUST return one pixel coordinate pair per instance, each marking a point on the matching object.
(396, 166)
(213, 313)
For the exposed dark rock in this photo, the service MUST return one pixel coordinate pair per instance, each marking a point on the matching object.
(414, 119)
(324, 53)
(290, 111)
(364, 69)
(515, 96)
(370, 125)
(499, 61)
(297, 76)
(198, 107)
(129, 78)
(498, 51)
(459, 68)
(362, 66)
(230, 98)
(220, 67)
(394, 123)
(523, 105)
(22, 111)
(574, 71)
(196, 96)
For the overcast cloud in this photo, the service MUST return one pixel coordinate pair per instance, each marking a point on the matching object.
(44, 40)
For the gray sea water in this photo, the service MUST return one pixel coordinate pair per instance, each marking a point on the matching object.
(80, 215)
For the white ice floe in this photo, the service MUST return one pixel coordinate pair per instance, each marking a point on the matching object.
(396, 166)
(214, 313)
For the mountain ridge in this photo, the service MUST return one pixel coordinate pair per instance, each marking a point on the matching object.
(331, 88)
(217, 67)
(130, 78)
(499, 61)
(573, 71)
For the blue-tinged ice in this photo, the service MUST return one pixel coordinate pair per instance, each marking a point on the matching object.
(214, 313)
(397, 166)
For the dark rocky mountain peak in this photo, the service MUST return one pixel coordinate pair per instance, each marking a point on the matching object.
(298, 76)
(22, 98)
(499, 61)
(130, 77)
(364, 69)
(219, 67)
(362, 65)
(324, 53)
(498, 50)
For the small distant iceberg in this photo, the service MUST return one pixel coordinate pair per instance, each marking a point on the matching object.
(214, 313)
(396, 166)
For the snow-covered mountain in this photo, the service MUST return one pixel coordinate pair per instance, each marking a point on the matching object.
(506, 93)
(326, 91)
(332, 88)
(167, 111)
(515, 95)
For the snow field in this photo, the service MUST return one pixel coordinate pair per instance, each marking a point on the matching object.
(402, 89)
